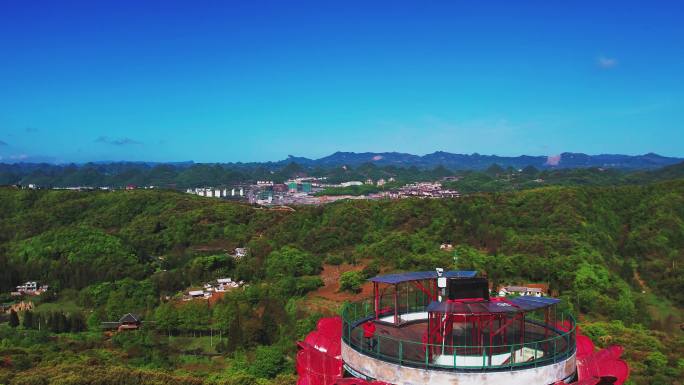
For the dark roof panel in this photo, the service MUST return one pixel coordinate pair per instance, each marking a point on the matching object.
(513, 305)
(501, 307)
(527, 303)
(471, 307)
(421, 275)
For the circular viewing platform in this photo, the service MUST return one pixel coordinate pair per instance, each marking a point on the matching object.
(442, 327)
(530, 343)
(476, 344)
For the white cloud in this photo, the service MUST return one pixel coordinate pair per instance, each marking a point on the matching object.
(606, 62)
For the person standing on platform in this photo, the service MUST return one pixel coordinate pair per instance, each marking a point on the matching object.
(369, 334)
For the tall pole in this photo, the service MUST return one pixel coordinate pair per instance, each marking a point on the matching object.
(377, 300)
(396, 304)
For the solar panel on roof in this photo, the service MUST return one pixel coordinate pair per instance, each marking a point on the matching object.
(512, 305)
(533, 303)
(460, 274)
(544, 300)
(420, 275)
(447, 307)
(501, 307)
(471, 308)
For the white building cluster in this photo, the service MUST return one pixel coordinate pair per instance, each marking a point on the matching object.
(424, 190)
(218, 286)
(211, 192)
(30, 288)
(240, 252)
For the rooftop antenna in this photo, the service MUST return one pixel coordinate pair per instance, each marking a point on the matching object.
(441, 283)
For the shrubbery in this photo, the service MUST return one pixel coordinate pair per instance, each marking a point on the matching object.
(115, 253)
(351, 281)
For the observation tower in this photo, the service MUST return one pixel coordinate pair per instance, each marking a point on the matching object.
(442, 327)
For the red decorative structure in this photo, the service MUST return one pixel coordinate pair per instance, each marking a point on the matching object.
(318, 359)
(430, 333)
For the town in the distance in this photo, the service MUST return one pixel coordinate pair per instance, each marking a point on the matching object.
(313, 191)
(346, 175)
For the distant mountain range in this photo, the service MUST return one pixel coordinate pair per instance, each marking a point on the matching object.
(449, 160)
(478, 162)
(345, 166)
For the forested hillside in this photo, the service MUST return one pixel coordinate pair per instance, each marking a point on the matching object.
(613, 254)
(487, 177)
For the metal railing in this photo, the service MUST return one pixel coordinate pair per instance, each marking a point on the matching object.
(536, 349)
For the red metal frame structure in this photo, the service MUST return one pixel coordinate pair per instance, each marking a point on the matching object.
(485, 322)
(486, 325)
(424, 281)
(319, 361)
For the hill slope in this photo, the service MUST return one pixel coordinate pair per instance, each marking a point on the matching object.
(110, 253)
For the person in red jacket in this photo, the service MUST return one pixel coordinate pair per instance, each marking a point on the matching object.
(369, 334)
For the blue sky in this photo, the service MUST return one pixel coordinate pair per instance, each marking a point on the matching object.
(221, 81)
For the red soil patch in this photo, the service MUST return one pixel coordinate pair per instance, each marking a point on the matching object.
(215, 297)
(331, 284)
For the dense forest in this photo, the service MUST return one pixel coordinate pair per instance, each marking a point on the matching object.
(614, 254)
(186, 175)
